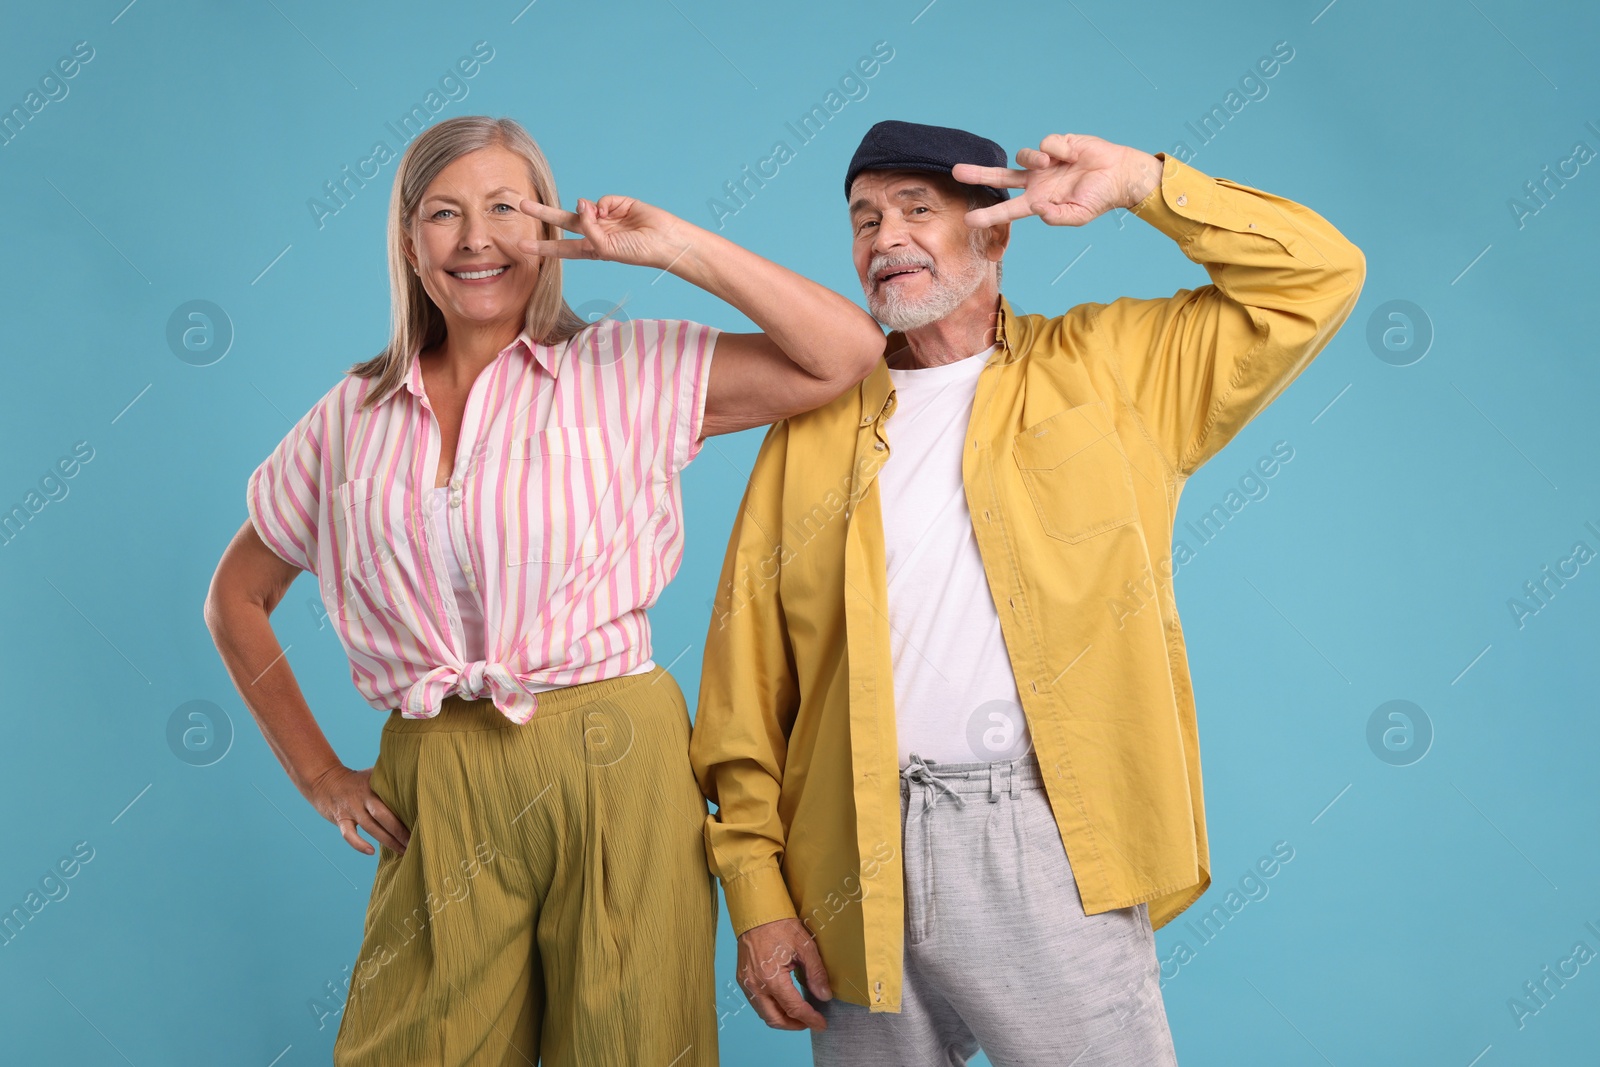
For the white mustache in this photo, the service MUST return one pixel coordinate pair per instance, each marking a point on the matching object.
(886, 261)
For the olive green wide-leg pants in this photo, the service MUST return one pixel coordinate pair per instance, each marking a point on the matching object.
(553, 905)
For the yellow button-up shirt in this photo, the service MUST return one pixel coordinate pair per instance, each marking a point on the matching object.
(1083, 430)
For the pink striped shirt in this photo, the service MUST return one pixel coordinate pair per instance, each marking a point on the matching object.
(566, 514)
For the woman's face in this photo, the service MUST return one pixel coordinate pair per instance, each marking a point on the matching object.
(463, 241)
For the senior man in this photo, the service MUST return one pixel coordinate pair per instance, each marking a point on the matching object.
(927, 594)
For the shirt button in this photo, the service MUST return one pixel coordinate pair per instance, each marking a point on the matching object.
(866, 420)
(1182, 199)
(455, 498)
(877, 446)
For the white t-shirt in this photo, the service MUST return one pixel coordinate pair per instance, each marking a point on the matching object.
(955, 695)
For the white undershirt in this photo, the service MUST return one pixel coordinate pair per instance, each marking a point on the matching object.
(467, 600)
(955, 695)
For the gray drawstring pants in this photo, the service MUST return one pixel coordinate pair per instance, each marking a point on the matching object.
(998, 952)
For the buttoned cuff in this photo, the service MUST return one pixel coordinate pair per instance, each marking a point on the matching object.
(1181, 201)
(757, 896)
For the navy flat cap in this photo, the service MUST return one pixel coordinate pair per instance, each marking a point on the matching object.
(895, 145)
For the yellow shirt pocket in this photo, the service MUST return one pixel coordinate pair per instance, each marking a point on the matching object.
(1076, 473)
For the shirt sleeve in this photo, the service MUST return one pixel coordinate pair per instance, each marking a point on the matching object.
(749, 696)
(1198, 365)
(284, 495)
(684, 352)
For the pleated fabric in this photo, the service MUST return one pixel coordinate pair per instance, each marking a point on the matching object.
(554, 905)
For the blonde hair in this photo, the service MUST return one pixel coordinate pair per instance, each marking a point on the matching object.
(416, 323)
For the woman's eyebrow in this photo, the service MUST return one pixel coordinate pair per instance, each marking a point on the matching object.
(492, 193)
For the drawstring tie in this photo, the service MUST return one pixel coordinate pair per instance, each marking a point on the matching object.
(919, 773)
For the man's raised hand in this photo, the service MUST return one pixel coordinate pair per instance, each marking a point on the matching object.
(1069, 180)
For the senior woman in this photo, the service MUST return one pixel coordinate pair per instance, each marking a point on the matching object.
(490, 505)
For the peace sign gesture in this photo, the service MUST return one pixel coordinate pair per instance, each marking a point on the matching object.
(1069, 180)
(616, 228)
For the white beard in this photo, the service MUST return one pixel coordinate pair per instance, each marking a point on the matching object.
(946, 293)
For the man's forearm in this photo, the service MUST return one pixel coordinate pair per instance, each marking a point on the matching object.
(1202, 364)
(749, 696)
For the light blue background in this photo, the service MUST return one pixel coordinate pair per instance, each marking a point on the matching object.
(1379, 567)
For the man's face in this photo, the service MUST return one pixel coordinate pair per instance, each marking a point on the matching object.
(916, 257)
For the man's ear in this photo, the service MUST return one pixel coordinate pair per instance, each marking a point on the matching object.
(999, 237)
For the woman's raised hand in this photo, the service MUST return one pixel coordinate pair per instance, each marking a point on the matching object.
(616, 228)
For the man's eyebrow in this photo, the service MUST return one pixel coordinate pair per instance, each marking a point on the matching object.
(910, 192)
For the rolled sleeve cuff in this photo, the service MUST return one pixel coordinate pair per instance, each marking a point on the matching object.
(270, 530)
(757, 896)
(1181, 202)
(696, 369)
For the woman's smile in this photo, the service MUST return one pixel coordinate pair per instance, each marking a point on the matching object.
(478, 275)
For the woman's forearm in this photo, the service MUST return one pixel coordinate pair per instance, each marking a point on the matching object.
(249, 648)
(820, 331)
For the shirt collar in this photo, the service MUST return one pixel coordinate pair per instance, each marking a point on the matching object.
(544, 355)
(1013, 333)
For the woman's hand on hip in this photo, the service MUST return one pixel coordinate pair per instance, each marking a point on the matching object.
(616, 228)
(345, 798)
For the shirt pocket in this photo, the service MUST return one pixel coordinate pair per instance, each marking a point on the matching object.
(1076, 473)
(557, 478)
(370, 522)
